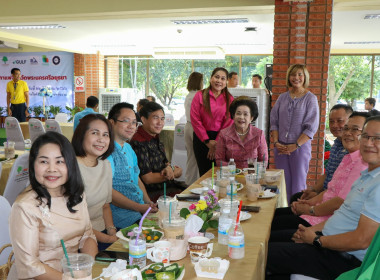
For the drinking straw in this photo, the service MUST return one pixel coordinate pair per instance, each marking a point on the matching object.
(212, 177)
(238, 216)
(170, 212)
(221, 169)
(67, 258)
(257, 173)
(140, 226)
(164, 193)
(232, 189)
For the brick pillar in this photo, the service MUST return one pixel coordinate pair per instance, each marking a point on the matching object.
(91, 66)
(302, 35)
(112, 72)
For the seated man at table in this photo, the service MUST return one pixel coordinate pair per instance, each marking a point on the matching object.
(338, 117)
(129, 197)
(326, 250)
(154, 166)
(92, 104)
(319, 208)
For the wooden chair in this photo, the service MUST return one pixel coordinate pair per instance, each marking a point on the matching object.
(5, 268)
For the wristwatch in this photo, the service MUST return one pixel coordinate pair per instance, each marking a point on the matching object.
(206, 141)
(317, 241)
(311, 210)
(298, 145)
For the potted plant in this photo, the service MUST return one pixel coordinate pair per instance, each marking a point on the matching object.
(37, 111)
(55, 110)
(73, 111)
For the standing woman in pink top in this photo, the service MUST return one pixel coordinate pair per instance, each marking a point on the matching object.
(210, 114)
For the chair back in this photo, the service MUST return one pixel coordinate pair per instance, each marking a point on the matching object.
(53, 125)
(179, 156)
(5, 210)
(14, 133)
(183, 119)
(169, 120)
(36, 128)
(61, 118)
(18, 178)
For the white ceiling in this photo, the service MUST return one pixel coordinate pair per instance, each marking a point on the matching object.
(138, 36)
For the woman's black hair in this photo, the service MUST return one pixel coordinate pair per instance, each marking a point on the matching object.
(80, 133)
(244, 101)
(74, 187)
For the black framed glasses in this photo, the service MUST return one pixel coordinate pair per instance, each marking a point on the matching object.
(130, 122)
(351, 129)
(366, 137)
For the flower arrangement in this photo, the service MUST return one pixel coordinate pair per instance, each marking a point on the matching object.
(45, 92)
(204, 209)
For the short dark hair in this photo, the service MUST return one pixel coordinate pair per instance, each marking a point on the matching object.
(346, 108)
(244, 101)
(142, 102)
(115, 110)
(14, 70)
(153, 98)
(74, 187)
(231, 74)
(257, 76)
(92, 102)
(150, 108)
(373, 118)
(83, 127)
(371, 101)
(359, 114)
(194, 81)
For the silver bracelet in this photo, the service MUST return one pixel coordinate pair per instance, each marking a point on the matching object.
(110, 227)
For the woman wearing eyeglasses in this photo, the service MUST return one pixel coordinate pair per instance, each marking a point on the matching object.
(129, 197)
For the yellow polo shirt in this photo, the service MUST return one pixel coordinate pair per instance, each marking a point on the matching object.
(18, 95)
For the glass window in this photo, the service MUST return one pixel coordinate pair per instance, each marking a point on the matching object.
(253, 64)
(133, 73)
(376, 82)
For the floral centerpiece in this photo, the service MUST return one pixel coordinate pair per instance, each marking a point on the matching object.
(45, 92)
(204, 209)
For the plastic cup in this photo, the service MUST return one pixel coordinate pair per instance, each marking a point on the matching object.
(226, 203)
(9, 149)
(175, 229)
(80, 267)
(164, 206)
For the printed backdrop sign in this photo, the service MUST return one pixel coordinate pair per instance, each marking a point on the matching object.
(54, 69)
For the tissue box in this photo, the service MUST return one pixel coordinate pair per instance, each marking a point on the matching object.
(223, 267)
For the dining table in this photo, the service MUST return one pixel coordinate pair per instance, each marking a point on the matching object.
(256, 231)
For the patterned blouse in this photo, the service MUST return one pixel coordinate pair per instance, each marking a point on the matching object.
(150, 155)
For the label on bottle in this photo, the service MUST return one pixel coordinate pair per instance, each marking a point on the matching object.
(137, 251)
(224, 225)
(236, 241)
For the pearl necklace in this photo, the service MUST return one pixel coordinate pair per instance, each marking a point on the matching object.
(242, 134)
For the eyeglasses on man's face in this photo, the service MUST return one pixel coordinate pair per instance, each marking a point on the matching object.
(351, 129)
(374, 139)
(134, 123)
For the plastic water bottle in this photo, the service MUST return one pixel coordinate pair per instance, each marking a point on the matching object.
(225, 222)
(204, 193)
(236, 241)
(137, 251)
(232, 166)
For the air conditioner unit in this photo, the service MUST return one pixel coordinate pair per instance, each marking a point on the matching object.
(189, 53)
(8, 45)
(262, 100)
(110, 96)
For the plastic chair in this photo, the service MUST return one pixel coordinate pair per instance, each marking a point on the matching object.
(183, 119)
(179, 156)
(53, 125)
(36, 128)
(61, 118)
(14, 132)
(18, 178)
(5, 209)
(169, 120)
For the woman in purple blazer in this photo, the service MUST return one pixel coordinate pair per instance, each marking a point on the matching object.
(293, 123)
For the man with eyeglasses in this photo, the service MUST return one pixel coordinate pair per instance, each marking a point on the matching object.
(154, 166)
(319, 208)
(129, 197)
(326, 250)
(338, 117)
(17, 96)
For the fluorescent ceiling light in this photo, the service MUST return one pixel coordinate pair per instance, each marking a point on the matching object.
(18, 27)
(210, 21)
(373, 16)
(362, 43)
(189, 53)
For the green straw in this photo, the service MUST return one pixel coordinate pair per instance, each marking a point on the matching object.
(257, 173)
(67, 257)
(212, 176)
(170, 212)
(232, 189)
(164, 193)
